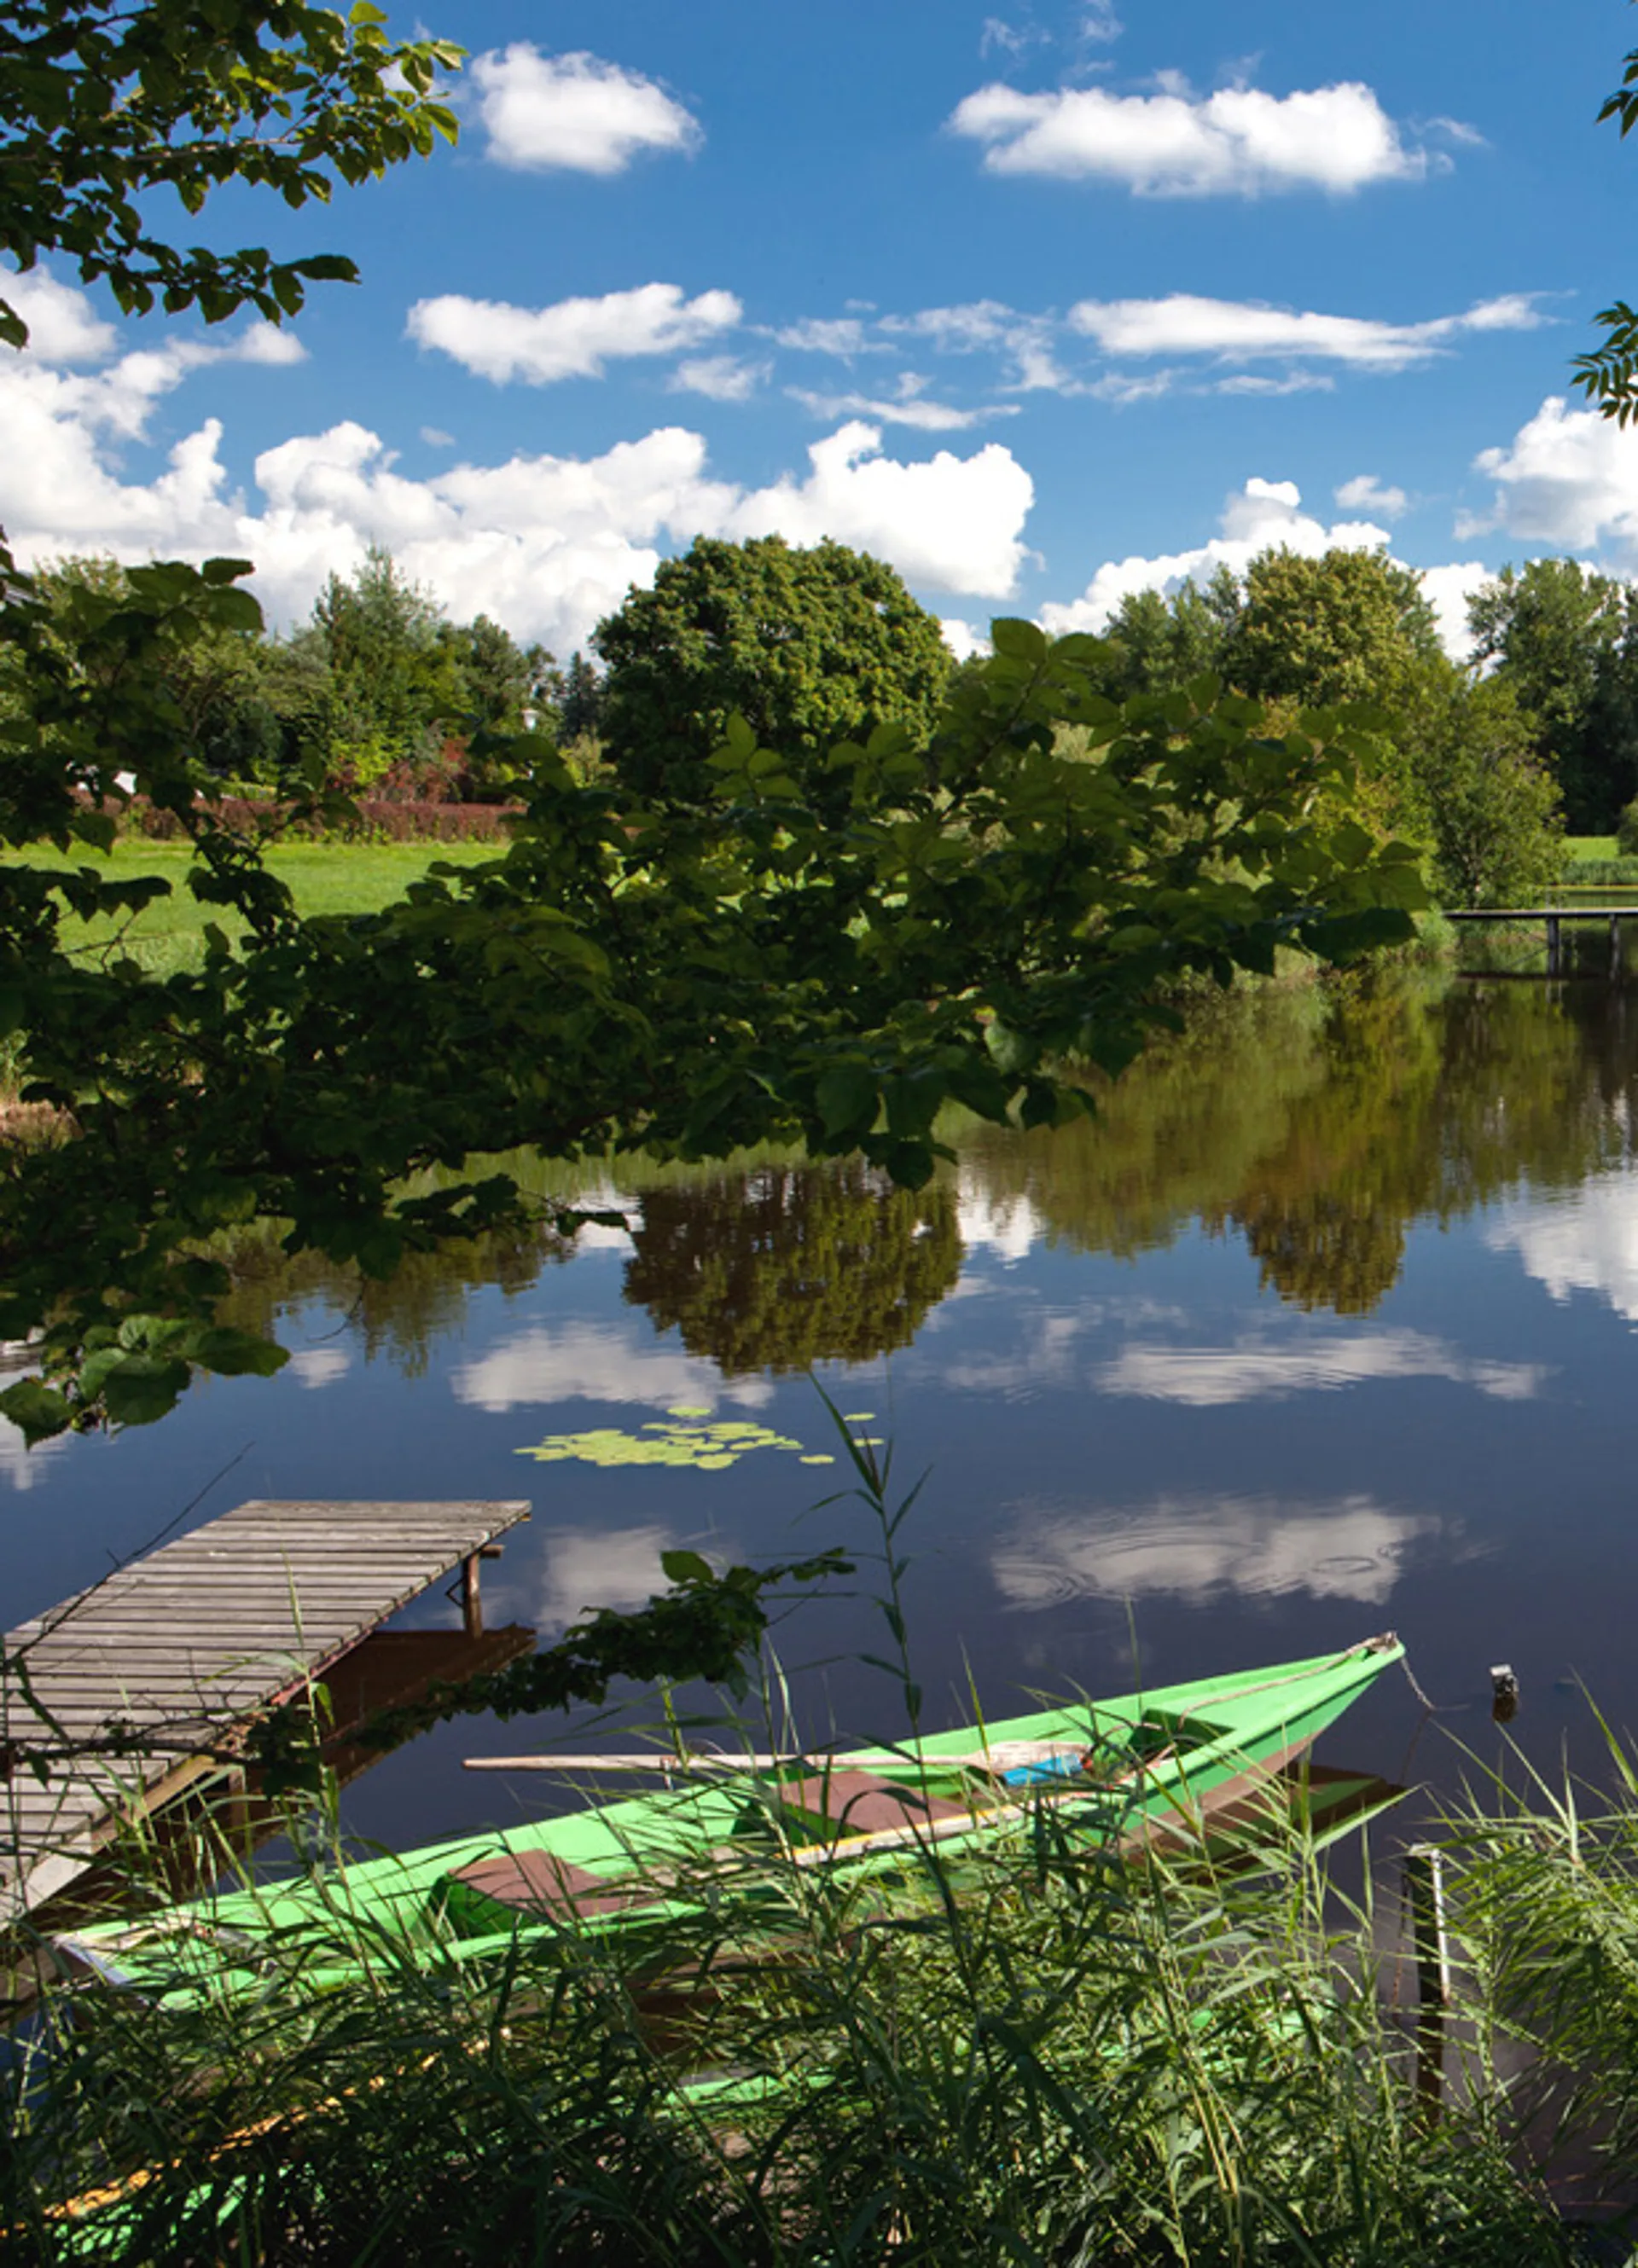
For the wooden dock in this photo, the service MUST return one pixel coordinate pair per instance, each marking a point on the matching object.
(1554, 917)
(166, 1657)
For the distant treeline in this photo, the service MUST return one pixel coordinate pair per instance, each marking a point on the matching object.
(380, 695)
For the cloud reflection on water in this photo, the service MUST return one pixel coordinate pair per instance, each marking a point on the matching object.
(1252, 1368)
(18, 1463)
(1195, 1547)
(595, 1362)
(1581, 1239)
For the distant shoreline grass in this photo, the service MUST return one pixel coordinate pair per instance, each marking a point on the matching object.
(324, 878)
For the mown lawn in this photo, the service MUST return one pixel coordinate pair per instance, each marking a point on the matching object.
(326, 877)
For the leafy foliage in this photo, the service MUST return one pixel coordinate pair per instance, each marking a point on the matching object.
(947, 921)
(810, 647)
(1489, 807)
(1347, 626)
(102, 104)
(1609, 375)
(1565, 639)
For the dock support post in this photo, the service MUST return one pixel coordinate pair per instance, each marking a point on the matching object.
(1615, 946)
(1554, 947)
(471, 1594)
(1424, 1896)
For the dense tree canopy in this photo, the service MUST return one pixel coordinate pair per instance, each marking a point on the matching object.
(978, 910)
(1566, 640)
(1347, 626)
(1487, 803)
(811, 646)
(378, 688)
(103, 105)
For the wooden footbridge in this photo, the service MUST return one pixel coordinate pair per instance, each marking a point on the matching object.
(1554, 918)
(133, 1692)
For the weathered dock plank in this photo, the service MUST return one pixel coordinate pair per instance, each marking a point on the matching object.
(182, 1645)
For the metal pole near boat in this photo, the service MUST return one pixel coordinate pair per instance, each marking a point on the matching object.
(1424, 1899)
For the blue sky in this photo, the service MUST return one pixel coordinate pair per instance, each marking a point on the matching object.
(1040, 305)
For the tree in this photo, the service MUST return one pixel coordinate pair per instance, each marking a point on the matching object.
(1159, 644)
(580, 702)
(1488, 805)
(810, 647)
(689, 981)
(1347, 626)
(101, 105)
(1555, 632)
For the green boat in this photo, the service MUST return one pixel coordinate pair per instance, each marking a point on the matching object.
(725, 1832)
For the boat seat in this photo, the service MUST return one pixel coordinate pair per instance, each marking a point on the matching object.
(539, 1882)
(862, 1802)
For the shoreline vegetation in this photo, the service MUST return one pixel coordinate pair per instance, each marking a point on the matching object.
(355, 873)
(1215, 2052)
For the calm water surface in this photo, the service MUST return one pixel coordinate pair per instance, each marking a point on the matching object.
(1325, 1326)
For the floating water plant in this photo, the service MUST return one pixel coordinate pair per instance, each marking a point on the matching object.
(682, 1437)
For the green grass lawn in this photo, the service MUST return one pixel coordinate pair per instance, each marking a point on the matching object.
(1580, 847)
(325, 878)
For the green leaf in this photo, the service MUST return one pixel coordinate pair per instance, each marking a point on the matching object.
(1018, 640)
(1010, 1051)
(144, 1388)
(13, 329)
(38, 1411)
(238, 1354)
(846, 1096)
(686, 1567)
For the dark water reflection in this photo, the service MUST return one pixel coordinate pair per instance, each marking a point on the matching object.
(1326, 1324)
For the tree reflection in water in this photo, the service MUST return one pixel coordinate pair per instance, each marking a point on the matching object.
(1322, 1122)
(790, 1266)
(1319, 1120)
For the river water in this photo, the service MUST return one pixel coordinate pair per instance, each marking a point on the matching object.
(1325, 1326)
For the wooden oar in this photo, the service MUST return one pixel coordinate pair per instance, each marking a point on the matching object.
(1000, 1757)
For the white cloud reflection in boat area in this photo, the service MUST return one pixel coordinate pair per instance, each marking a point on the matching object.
(587, 1568)
(595, 1362)
(1196, 1548)
(1006, 1227)
(315, 1366)
(1254, 1368)
(1581, 1239)
(20, 1465)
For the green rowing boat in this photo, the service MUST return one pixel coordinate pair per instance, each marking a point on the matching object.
(724, 1830)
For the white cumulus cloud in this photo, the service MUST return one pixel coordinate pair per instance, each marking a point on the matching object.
(62, 325)
(573, 338)
(953, 523)
(1366, 493)
(1568, 478)
(1237, 331)
(574, 113)
(720, 377)
(1238, 142)
(547, 545)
